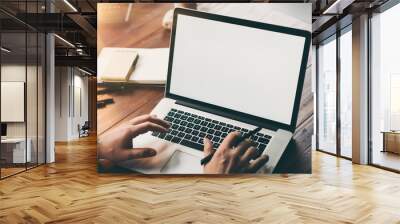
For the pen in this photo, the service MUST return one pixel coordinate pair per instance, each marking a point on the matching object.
(103, 103)
(207, 159)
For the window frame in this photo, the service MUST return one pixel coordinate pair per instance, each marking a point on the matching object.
(336, 35)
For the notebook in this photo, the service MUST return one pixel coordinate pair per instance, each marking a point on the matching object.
(117, 64)
(150, 67)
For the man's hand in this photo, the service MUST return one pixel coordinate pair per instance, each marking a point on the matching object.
(116, 146)
(230, 159)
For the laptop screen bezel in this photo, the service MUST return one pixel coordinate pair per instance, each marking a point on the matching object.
(229, 113)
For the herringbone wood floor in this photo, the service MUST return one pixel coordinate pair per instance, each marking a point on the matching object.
(71, 191)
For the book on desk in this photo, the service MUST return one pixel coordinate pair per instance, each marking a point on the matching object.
(132, 66)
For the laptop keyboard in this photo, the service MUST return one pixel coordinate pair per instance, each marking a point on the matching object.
(190, 129)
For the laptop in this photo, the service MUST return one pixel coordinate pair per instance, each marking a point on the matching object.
(225, 74)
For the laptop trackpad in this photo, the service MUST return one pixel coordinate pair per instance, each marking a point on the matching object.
(182, 163)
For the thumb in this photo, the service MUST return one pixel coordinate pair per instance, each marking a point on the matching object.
(135, 153)
(208, 146)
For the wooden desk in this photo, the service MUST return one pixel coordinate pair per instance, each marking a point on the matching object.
(13, 150)
(142, 30)
(391, 142)
(145, 31)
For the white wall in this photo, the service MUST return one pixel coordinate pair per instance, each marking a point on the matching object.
(62, 81)
(80, 97)
(82, 82)
(70, 83)
(11, 73)
(33, 127)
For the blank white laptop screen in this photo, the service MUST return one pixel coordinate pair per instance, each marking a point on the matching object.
(245, 69)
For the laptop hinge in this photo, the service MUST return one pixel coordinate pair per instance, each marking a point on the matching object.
(229, 115)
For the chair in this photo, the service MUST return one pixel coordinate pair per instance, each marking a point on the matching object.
(84, 130)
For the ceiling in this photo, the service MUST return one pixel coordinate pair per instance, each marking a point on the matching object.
(331, 15)
(76, 25)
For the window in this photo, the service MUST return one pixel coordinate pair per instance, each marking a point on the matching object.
(346, 92)
(334, 95)
(327, 95)
(385, 89)
(394, 102)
